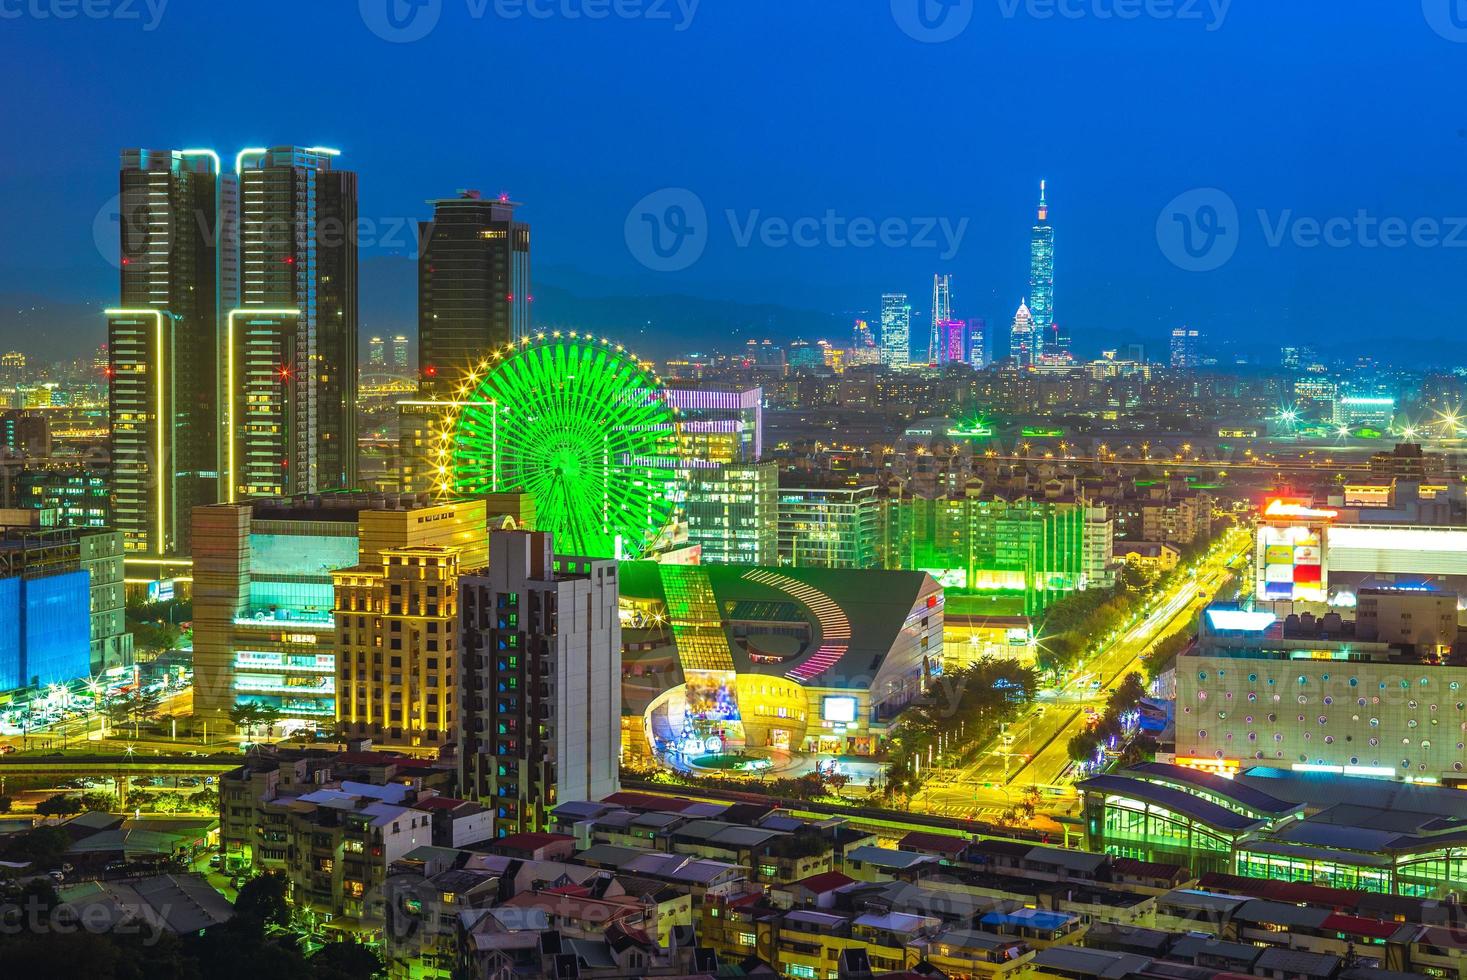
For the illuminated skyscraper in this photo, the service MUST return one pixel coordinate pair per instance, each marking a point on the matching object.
(473, 285)
(1041, 275)
(977, 343)
(952, 342)
(400, 354)
(1023, 337)
(942, 313)
(377, 354)
(896, 331)
(861, 336)
(163, 346)
(292, 342)
(1186, 350)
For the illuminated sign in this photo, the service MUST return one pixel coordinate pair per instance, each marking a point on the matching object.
(1240, 619)
(971, 430)
(1285, 509)
(161, 590)
(949, 578)
(1041, 432)
(840, 710)
(1290, 561)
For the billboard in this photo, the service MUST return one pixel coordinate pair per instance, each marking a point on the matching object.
(838, 709)
(1291, 563)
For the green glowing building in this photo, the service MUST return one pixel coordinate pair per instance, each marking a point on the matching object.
(1040, 549)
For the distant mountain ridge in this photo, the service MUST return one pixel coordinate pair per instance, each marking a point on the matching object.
(655, 325)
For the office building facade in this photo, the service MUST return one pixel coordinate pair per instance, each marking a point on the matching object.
(978, 354)
(1040, 549)
(896, 331)
(942, 313)
(829, 527)
(473, 285)
(732, 512)
(47, 577)
(1186, 348)
(265, 599)
(540, 645)
(1024, 339)
(720, 425)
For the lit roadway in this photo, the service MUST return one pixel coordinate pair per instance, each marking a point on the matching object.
(74, 732)
(1039, 753)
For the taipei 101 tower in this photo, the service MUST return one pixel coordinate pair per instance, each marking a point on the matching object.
(1041, 274)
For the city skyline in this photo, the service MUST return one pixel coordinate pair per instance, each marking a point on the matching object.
(824, 561)
(1117, 278)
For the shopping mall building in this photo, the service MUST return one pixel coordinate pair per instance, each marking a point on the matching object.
(722, 658)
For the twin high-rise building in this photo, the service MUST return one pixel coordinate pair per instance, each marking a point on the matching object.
(473, 285)
(233, 349)
(164, 345)
(896, 331)
(291, 346)
(1041, 275)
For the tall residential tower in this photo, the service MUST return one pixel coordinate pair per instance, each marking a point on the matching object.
(290, 366)
(163, 346)
(540, 688)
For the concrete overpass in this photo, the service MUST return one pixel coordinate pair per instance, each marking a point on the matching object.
(119, 769)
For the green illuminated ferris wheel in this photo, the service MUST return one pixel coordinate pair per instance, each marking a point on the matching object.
(578, 424)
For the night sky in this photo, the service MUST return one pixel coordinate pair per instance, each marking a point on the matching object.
(791, 109)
